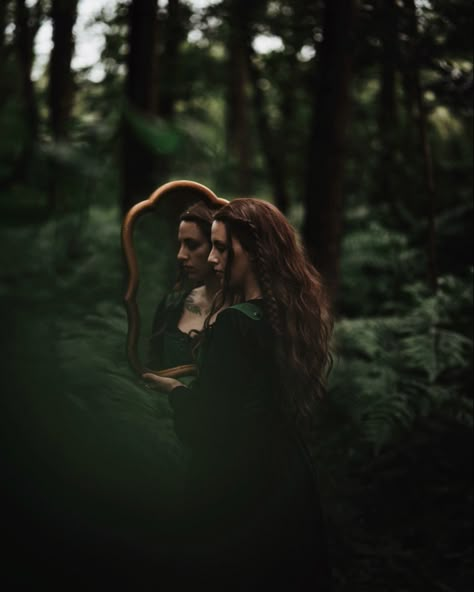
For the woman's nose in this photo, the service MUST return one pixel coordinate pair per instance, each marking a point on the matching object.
(182, 255)
(212, 258)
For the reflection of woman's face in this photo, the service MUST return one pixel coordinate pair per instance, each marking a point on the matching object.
(193, 252)
(218, 256)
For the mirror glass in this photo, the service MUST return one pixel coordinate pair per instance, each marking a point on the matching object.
(152, 239)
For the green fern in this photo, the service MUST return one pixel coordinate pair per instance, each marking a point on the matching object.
(392, 371)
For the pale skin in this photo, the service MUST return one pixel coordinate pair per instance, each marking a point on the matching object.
(242, 278)
(193, 257)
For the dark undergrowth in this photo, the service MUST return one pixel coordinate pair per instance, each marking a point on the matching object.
(90, 452)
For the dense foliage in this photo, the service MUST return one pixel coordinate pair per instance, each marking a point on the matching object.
(395, 431)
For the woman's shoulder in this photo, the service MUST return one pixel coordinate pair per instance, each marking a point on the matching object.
(197, 297)
(175, 299)
(169, 306)
(240, 318)
(251, 309)
(197, 291)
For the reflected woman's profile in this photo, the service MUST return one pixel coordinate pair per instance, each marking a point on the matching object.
(180, 316)
(183, 210)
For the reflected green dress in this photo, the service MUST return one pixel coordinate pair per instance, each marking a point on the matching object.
(251, 508)
(168, 346)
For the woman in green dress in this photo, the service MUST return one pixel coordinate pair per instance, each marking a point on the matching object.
(180, 316)
(252, 516)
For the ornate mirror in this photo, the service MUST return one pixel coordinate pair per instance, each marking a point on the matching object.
(150, 246)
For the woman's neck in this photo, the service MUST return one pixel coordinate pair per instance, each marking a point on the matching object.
(252, 288)
(211, 287)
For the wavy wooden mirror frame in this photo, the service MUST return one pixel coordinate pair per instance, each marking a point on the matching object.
(128, 247)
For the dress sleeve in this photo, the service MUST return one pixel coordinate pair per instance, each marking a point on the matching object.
(168, 312)
(205, 411)
(155, 344)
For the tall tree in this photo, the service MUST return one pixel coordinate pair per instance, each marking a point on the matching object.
(27, 22)
(5, 82)
(387, 105)
(270, 148)
(388, 18)
(251, 15)
(61, 83)
(3, 26)
(418, 112)
(174, 33)
(279, 81)
(138, 161)
(170, 84)
(324, 202)
(238, 124)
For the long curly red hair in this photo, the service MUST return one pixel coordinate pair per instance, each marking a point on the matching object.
(294, 298)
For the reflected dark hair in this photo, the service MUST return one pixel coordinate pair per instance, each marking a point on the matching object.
(294, 299)
(202, 214)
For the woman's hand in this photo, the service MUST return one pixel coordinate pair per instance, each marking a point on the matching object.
(160, 383)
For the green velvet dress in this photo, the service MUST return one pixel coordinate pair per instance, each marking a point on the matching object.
(168, 346)
(251, 509)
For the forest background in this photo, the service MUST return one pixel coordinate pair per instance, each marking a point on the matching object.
(355, 118)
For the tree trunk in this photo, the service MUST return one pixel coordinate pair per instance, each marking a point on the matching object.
(25, 31)
(274, 160)
(3, 26)
(388, 112)
(174, 34)
(61, 84)
(389, 37)
(5, 85)
(138, 162)
(27, 22)
(408, 79)
(420, 117)
(324, 202)
(238, 133)
(171, 32)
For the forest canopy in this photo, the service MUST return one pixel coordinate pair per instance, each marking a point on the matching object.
(355, 118)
